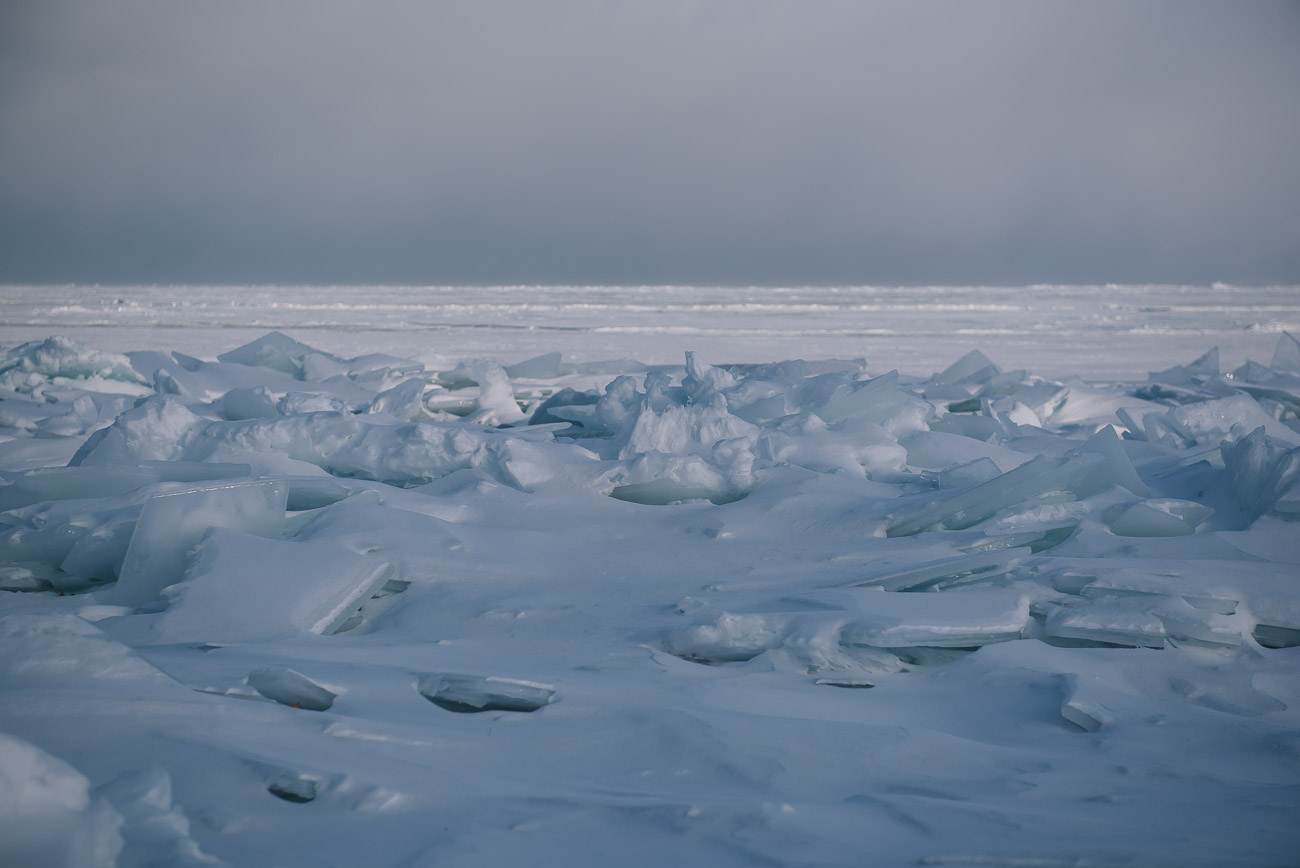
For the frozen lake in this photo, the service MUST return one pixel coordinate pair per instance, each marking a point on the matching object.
(332, 597)
(1093, 332)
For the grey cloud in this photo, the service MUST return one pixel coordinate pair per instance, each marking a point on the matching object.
(724, 141)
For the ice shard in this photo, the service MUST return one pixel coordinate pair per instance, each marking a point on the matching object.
(468, 694)
(172, 523)
(1034, 479)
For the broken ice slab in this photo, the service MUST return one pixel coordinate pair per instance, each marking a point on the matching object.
(952, 620)
(1276, 637)
(1210, 422)
(1262, 474)
(1116, 469)
(879, 400)
(313, 492)
(1082, 710)
(468, 694)
(244, 588)
(1183, 621)
(292, 688)
(1110, 622)
(293, 787)
(98, 554)
(946, 571)
(172, 523)
(974, 366)
(1157, 518)
(84, 482)
(1286, 355)
(1030, 481)
(965, 475)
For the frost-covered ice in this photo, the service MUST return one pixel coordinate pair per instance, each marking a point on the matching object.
(289, 606)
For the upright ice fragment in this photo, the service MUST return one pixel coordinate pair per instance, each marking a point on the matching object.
(171, 524)
(245, 588)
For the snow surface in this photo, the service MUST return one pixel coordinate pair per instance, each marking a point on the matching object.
(282, 604)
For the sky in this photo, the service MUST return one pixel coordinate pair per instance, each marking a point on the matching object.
(746, 142)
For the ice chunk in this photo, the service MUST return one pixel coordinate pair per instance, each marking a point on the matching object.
(973, 363)
(1259, 470)
(1117, 469)
(1286, 357)
(292, 787)
(1034, 479)
(1082, 709)
(289, 687)
(24, 577)
(1159, 517)
(683, 429)
(939, 450)
(172, 523)
(403, 401)
(62, 357)
(968, 474)
(100, 552)
(273, 350)
(244, 588)
(308, 402)
(1191, 375)
(1210, 422)
(67, 483)
(731, 639)
(254, 402)
(314, 492)
(952, 620)
(879, 400)
(47, 815)
(1113, 622)
(945, 571)
(559, 407)
(543, 367)
(1184, 621)
(496, 400)
(474, 693)
(154, 430)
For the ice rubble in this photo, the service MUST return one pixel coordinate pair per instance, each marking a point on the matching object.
(283, 509)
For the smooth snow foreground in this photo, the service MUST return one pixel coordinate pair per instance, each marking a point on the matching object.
(286, 608)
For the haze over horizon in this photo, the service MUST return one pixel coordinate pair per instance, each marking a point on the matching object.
(683, 142)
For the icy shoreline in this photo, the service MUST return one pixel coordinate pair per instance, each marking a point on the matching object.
(290, 607)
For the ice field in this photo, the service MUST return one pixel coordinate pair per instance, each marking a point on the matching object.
(600, 576)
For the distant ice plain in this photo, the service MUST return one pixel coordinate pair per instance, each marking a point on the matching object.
(1096, 333)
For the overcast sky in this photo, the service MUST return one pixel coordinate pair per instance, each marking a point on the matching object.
(661, 141)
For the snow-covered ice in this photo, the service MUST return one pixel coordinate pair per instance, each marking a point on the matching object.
(277, 604)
